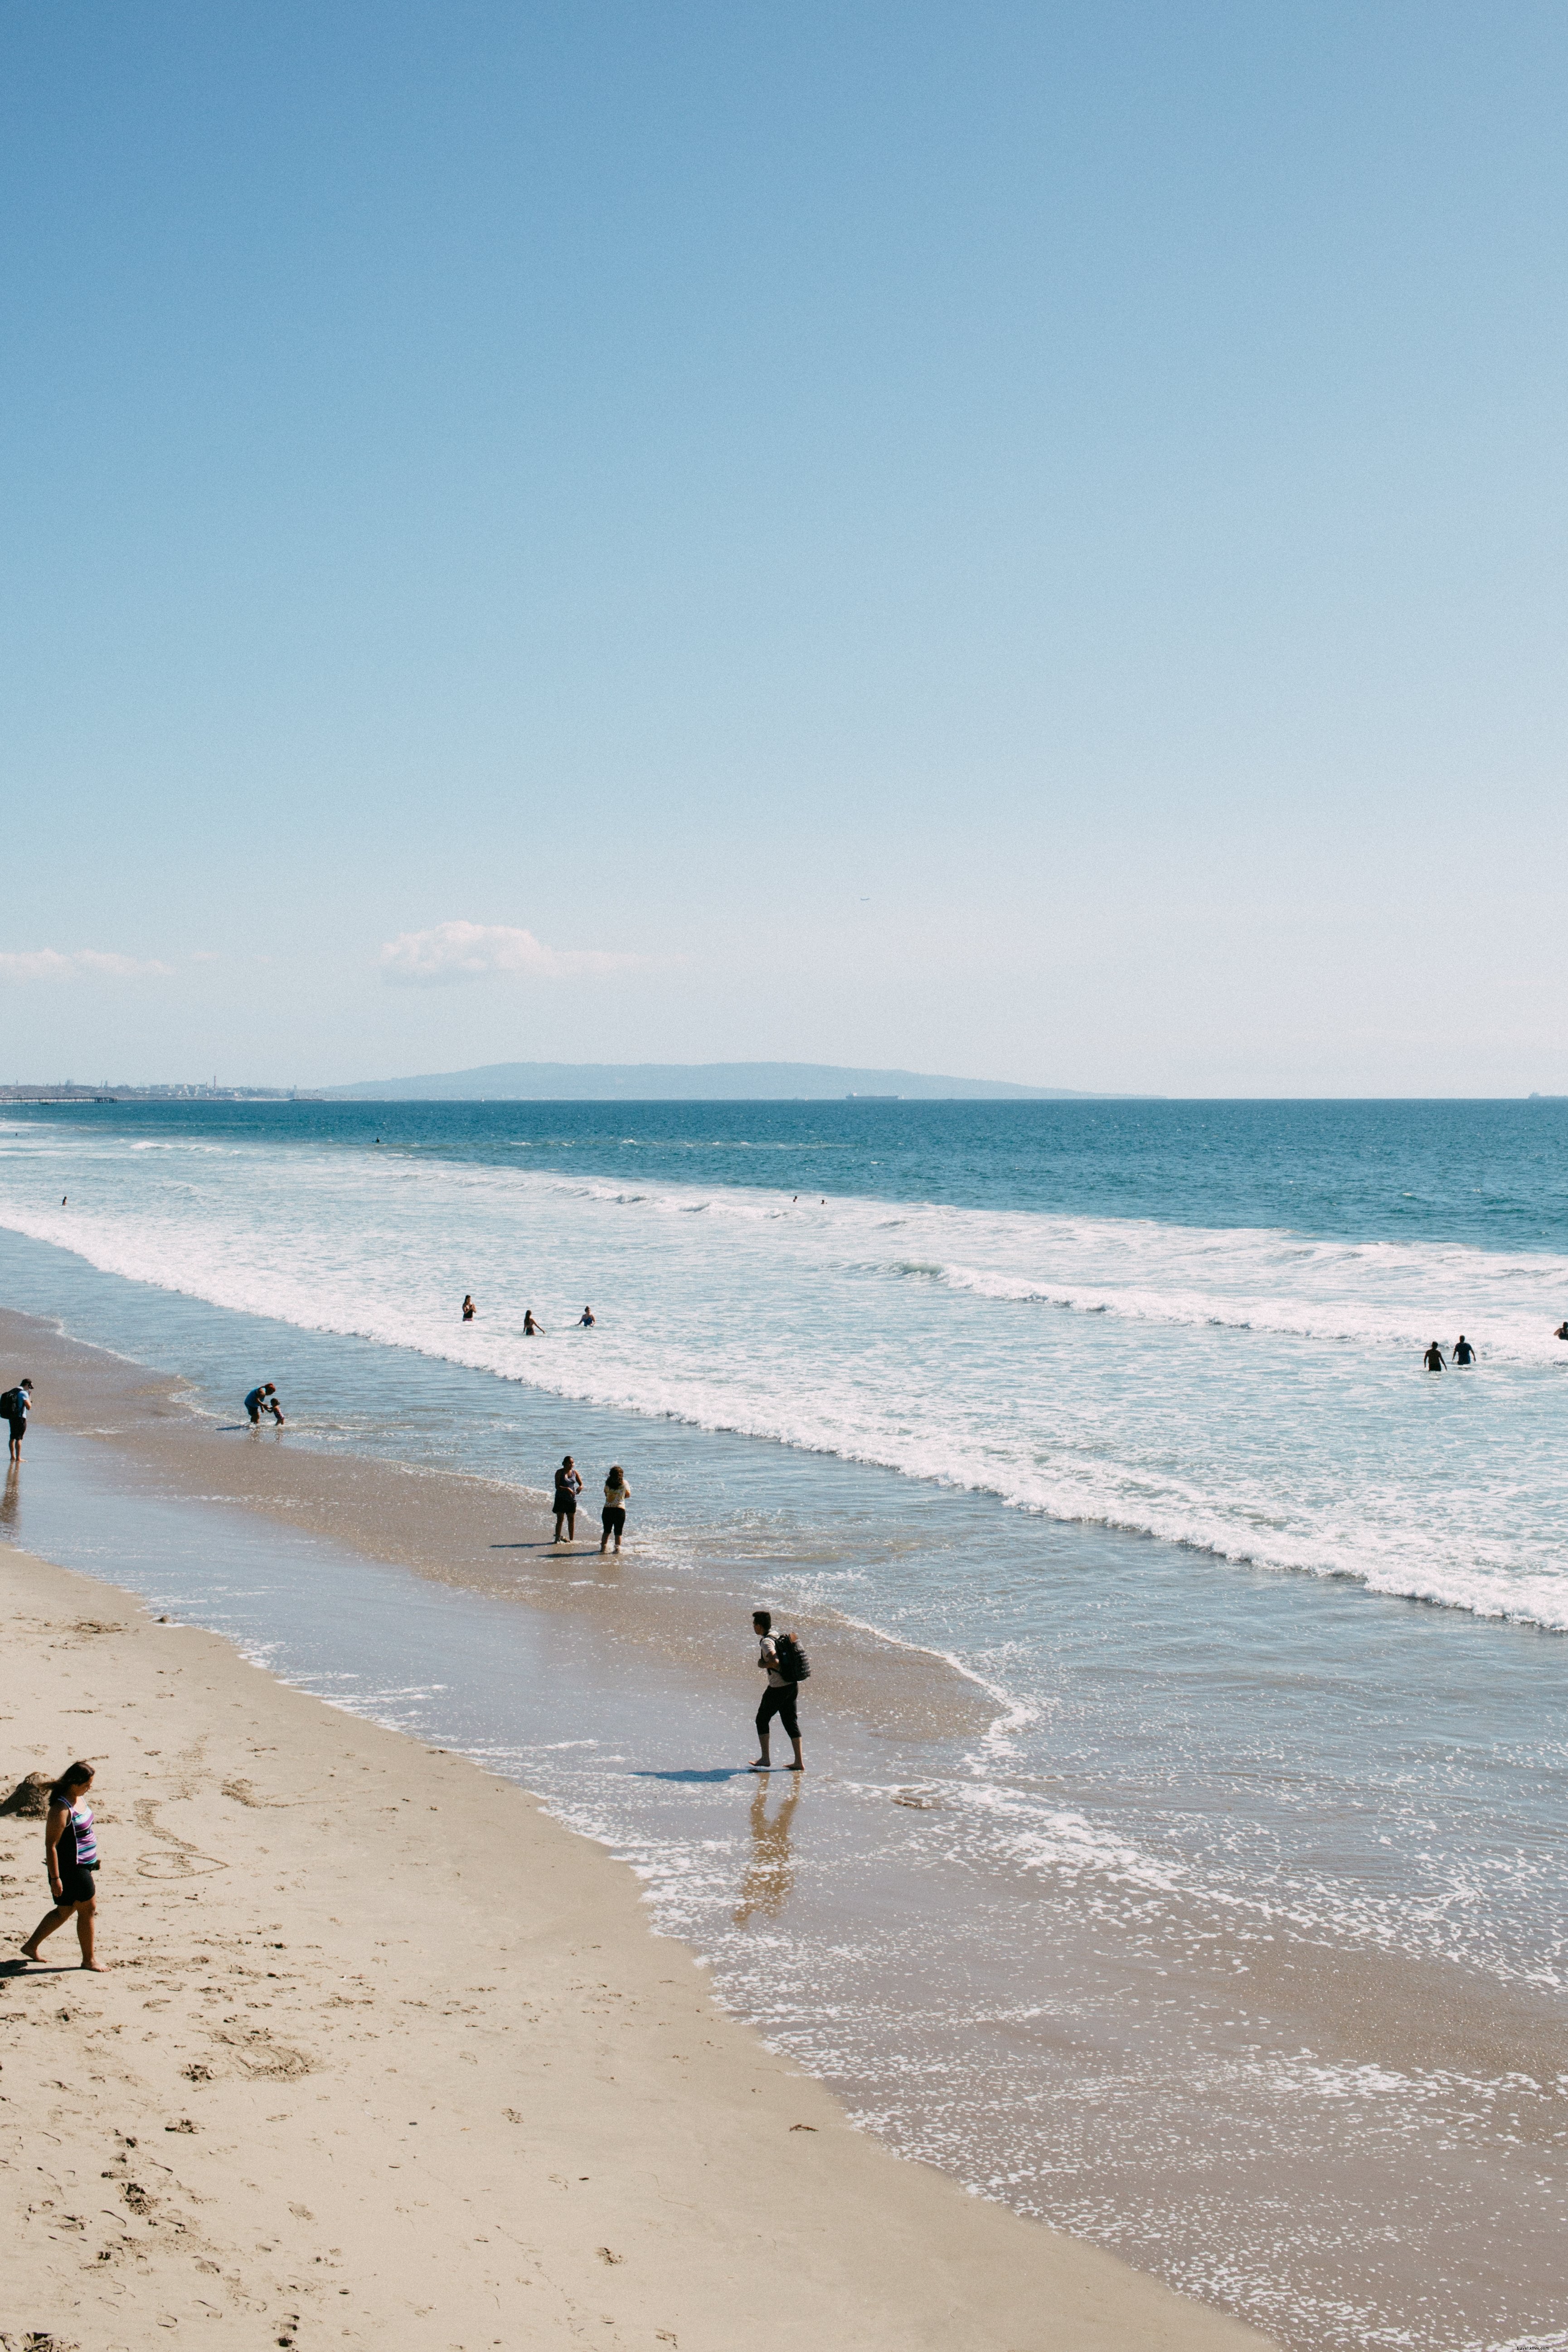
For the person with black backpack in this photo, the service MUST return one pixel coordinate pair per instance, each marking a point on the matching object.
(17, 1404)
(782, 1659)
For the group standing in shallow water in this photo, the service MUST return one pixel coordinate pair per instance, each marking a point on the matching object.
(613, 1518)
(532, 1329)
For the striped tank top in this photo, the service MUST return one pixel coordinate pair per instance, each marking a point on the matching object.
(79, 1842)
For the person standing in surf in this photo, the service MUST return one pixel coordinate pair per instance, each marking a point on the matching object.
(70, 1852)
(568, 1487)
(1433, 1358)
(774, 1656)
(617, 1495)
(17, 1404)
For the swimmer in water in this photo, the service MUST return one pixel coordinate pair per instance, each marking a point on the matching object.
(470, 1309)
(1433, 1358)
(1561, 1332)
(585, 1320)
(530, 1327)
(1463, 1351)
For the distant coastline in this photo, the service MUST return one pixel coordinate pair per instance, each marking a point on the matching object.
(695, 1081)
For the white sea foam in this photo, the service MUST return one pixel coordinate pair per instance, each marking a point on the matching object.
(1250, 1391)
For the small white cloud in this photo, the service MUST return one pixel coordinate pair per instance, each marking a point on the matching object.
(78, 964)
(453, 951)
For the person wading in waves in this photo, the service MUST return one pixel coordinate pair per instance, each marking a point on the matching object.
(782, 1660)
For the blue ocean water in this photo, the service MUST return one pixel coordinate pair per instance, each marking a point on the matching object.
(1120, 1409)
(1201, 1322)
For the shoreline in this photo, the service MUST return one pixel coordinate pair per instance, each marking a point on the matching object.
(258, 2111)
(477, 1534)
(1044, 2036)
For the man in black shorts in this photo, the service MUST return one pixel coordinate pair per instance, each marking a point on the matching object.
(17, 1404)
(777, 1699)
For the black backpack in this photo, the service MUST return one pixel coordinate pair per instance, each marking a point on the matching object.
(794, 1663)
(10, 1403)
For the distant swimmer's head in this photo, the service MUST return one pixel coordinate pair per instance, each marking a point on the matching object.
(762, 1619)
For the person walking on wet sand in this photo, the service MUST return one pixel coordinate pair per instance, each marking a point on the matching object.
(70, 1850)
(568, 1487)
(773, 1657)
(617, 1495)
(17, 1404)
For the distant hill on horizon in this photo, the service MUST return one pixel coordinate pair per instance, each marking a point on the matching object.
(689, 1082)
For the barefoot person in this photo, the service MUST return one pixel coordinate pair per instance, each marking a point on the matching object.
(568, 1487)
(773, 1657)
(617, 1495)
(71, 1849)
(263, 1400)
(17, 1404)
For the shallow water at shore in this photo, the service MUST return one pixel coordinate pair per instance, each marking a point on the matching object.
(1237, 1953)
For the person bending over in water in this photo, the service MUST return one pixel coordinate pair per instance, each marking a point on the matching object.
(568, 1487)
(530, 1327)
(779, 1696)
(1561, 1332)
(263, 1400)
(1463, 1351)
(70, 1850)
(470, 1309)
(617, 1495)
(1433, 1358)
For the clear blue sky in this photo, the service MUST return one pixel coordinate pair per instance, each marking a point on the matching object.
(1025, 541)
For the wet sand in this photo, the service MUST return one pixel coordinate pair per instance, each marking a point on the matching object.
(334, 1958)
(1353, 2008)
(473, 1534)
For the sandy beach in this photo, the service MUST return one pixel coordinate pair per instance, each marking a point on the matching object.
(334, 1958)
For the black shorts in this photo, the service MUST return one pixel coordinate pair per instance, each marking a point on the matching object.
(614, 1517)
(78, 1885)
(18, 1428)
(779, 1699)
(565, 1503)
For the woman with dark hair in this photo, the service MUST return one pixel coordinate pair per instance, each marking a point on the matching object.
(617, 1495)
(70, 1850)
(568, 1487)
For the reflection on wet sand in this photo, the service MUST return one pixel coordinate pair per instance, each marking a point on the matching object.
(770, 1875)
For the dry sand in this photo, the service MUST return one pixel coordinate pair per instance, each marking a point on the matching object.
(333, 1956)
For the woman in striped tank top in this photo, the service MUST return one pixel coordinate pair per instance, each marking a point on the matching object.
(71, 1849)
